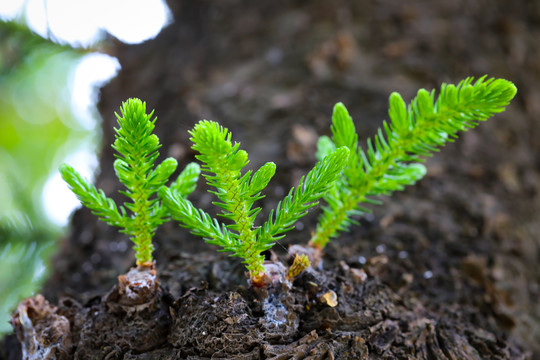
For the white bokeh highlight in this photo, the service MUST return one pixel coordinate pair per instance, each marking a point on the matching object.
(82, 23)
(58, 200)
(92, 72)
(135, 21)
(10, 9)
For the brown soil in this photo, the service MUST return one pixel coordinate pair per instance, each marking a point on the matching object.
(445, 270)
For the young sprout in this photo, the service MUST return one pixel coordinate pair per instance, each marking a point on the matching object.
(223, 162)
(393, 158)
(137, 151)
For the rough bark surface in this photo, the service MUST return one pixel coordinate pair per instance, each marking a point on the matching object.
(445, 270)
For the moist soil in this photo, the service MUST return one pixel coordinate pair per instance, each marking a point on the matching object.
(446, 269)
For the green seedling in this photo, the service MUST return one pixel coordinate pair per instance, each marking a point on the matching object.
(137, 149)
(345, 175)
(222, 167)
(394, 156)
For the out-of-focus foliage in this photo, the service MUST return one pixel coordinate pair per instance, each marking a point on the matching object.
(23, 250)
(37, 128)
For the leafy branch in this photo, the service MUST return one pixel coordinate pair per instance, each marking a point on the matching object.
(137, 149)
(346, 176)
(393, 157)
(223, 162)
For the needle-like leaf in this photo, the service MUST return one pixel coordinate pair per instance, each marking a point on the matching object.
(392, 158)
(223, 162)
(137, 149)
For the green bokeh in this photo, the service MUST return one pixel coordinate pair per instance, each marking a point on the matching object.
(37, 130)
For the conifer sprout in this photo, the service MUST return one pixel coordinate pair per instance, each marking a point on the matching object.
(137, 150)
(223, 162)
(394, 155)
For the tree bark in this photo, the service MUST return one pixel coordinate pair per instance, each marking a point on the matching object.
(450, 263)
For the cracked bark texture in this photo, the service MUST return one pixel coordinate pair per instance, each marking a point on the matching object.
(444, 270)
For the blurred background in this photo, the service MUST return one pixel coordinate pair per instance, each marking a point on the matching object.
(275, 68)
(51, 68)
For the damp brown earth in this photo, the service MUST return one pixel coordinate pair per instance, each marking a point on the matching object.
(445, 270)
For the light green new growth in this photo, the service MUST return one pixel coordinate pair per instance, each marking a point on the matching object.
(393, 156)
(137, 151)
(223, 162)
